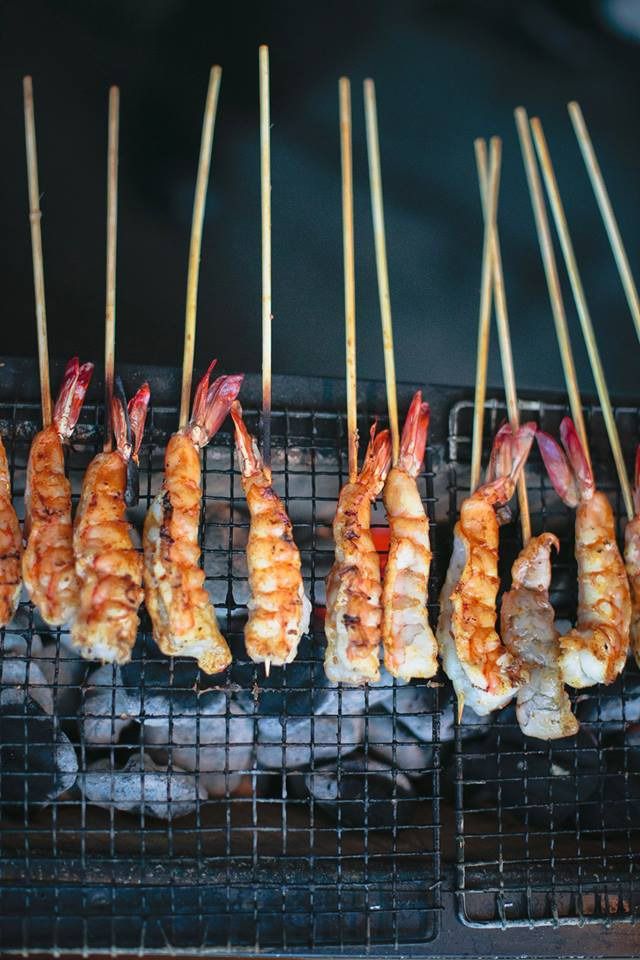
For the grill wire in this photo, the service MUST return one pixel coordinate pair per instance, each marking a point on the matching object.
(261, 815)
(278, 815)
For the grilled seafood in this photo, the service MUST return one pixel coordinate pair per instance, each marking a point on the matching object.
(10, 546)
(108, 567)
(48, 568)
(632, 562)
(484, 673)
(596, 649)
(543, 707)
(279, 611)
(183, 618)
(410, 648)
(354, 614)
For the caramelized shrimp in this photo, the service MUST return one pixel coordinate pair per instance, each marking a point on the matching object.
(108, 567)
(596, 649)
(543, 707)
(354, 612)
(632, 562)
(410, 648)
(485, 675)
(278, 608)
(183, 618)
(48, 567)
(10, 546)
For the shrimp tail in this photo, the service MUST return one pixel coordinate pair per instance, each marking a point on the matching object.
(377, 459)
(577, 458)
(211, 405)
(414, 436)
(128, 427)
(248, 452)
(568, 469)
(75, 383)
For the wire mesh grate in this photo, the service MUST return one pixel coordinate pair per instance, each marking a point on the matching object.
(548, 832)
(153, 808)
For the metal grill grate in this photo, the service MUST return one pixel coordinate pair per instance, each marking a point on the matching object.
(264, 815)
(548, 832)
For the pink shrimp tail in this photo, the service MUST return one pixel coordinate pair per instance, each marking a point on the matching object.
(510, 451)
(250, 459)
(377, 459)
(414, 436)
(211, 404)
(129, 419)
(577, 458)
(568, 469)
(75, 383)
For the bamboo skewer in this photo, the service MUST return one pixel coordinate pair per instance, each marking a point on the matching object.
(112, 234)
(551, 273)
(265, 195)
(195, 245)
(484, 319)
(566, 244)
(35, 217)
(606, 211)
(489, 205)
(349, 272)
(377, 209)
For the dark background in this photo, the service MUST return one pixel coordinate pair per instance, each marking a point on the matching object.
(446, 72)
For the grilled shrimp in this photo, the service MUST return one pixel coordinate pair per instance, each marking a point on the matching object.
(108, 566)
(596, 649)
(279, 611)
(48, 568)
(183, 618)
(410, 648)
(484, 673)
(354, 612)
(632, 562)
(543, 707)
(10, 546)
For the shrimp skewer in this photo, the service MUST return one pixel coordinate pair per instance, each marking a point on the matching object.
(353, 623)
(183, 618)
(48, 567)
(410, 648)
(485, 675)
(596, 649)
(108, 567)
(543, 707)
(279, 611)
(10, 546)
(632, 562)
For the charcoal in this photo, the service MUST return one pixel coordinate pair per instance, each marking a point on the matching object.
(37, 761)
(142, 785)
(298, 742)
(21, 670)
(362, 793)
(615, 705)
(107, 708)
(65, 671)
(389, 739)
(619, 797)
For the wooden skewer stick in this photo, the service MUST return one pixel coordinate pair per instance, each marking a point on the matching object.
(490, 205)
(265, 195)
(484, 320)
(377, 209)
(112, 234)
(606, 211)
(551, 273)
(566, 244)
(349, 272)
(35, 217)
(195, 245)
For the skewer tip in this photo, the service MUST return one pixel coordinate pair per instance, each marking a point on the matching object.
(267, 667)
(460, 706)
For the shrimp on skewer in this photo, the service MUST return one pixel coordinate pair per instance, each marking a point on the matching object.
(48, 567)
(279, 611)
(108, 567)
(410, 648)
(354, 614)
(10, 546)
(183, 618)
(484, 673)
(632, 562)
(543, 707)
(596, 649)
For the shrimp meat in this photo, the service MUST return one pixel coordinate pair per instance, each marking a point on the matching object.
(632, 562)
(10, 546)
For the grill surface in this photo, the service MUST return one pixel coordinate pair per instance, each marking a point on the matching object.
(315, 818)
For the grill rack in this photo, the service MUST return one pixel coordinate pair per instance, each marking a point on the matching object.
(251, 872)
